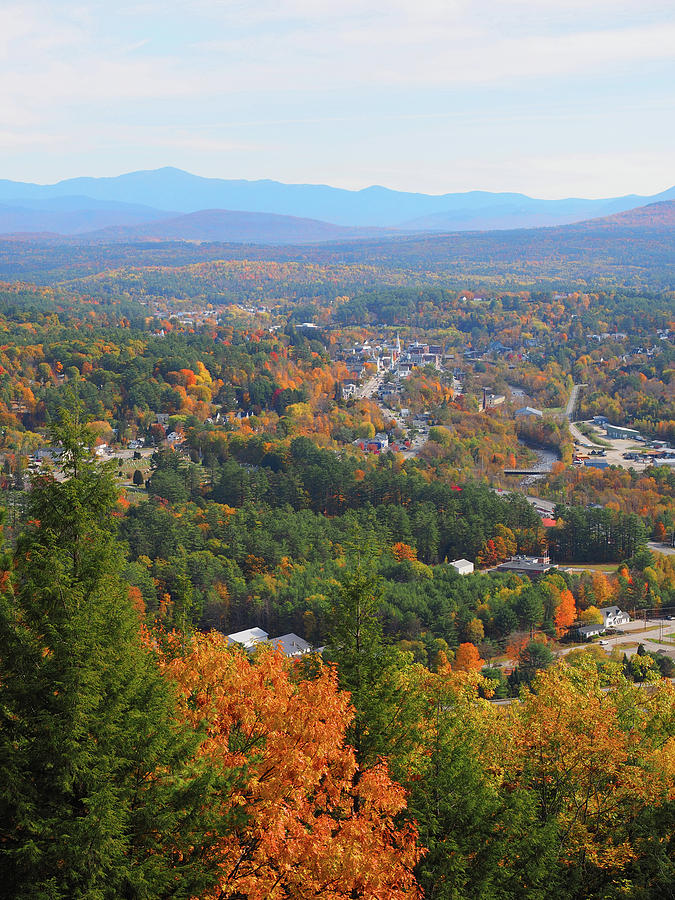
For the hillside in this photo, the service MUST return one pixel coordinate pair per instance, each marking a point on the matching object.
(654, 215)
(637, 251)
(231, 225)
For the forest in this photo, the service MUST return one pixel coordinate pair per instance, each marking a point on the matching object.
(157, 761)
(184, 455)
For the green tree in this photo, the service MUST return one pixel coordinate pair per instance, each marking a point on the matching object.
(483, 841)
(374, 673)
(100, 796)
(530, 607)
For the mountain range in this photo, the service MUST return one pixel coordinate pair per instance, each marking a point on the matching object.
(170, 204)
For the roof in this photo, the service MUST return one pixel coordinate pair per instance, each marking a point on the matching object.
(590, 629)
(525, 564)
(610, 610)
(461, 562)
(249, 637)
(291, 644)
(528, 411)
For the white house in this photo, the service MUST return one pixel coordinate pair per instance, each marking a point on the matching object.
(586, 632)
(612, 616)
(462, 566)
(248, 638)
(291, 644)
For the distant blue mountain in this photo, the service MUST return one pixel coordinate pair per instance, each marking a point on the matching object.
(70, 214)
(174, 189)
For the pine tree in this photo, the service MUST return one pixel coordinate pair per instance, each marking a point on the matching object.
(376, 675)
(100, 796)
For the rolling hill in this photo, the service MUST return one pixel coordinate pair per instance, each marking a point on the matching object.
(636, 250)
(654, 215)
(231, 225)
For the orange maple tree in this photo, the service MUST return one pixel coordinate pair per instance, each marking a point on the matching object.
(313, 824)
(467, 658)
(403, 551)
(565, 613)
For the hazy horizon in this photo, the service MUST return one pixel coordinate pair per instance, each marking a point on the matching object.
(551, 99)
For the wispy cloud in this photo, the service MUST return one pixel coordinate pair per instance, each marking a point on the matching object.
(288, 80)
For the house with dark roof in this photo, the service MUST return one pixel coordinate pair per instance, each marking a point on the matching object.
(533, 566)
(586, 632)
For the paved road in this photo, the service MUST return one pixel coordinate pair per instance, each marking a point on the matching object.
(369, 388)
(571, 403)
(569, 410)
(368, 391)
(661, 548)
(634, 632)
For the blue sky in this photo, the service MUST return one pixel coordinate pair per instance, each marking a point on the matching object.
(550, 97)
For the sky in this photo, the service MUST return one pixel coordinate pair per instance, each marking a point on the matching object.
(553, 98)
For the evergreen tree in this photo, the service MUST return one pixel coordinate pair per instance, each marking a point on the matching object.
(100, 796)
(386, 717)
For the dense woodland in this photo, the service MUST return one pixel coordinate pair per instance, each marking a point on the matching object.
(144, 757)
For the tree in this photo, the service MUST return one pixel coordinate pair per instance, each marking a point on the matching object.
(565, 613)
(592, 616)
(403, 551)
(100, 794)
(467, 659)
(475, 631)
(530, 607)
(533, 657)
(597, 757)
(307, 825)
(138, 479)
(375, 674)
(481, 834)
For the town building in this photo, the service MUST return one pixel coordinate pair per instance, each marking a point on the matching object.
(490, 400)
(462, 566)
(622, 434)
(612, 616)
(532, 566)
(526, 412)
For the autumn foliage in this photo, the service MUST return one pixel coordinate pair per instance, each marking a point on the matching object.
(566, 613)
(311, 823)
(467, 658)
(595, 757)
